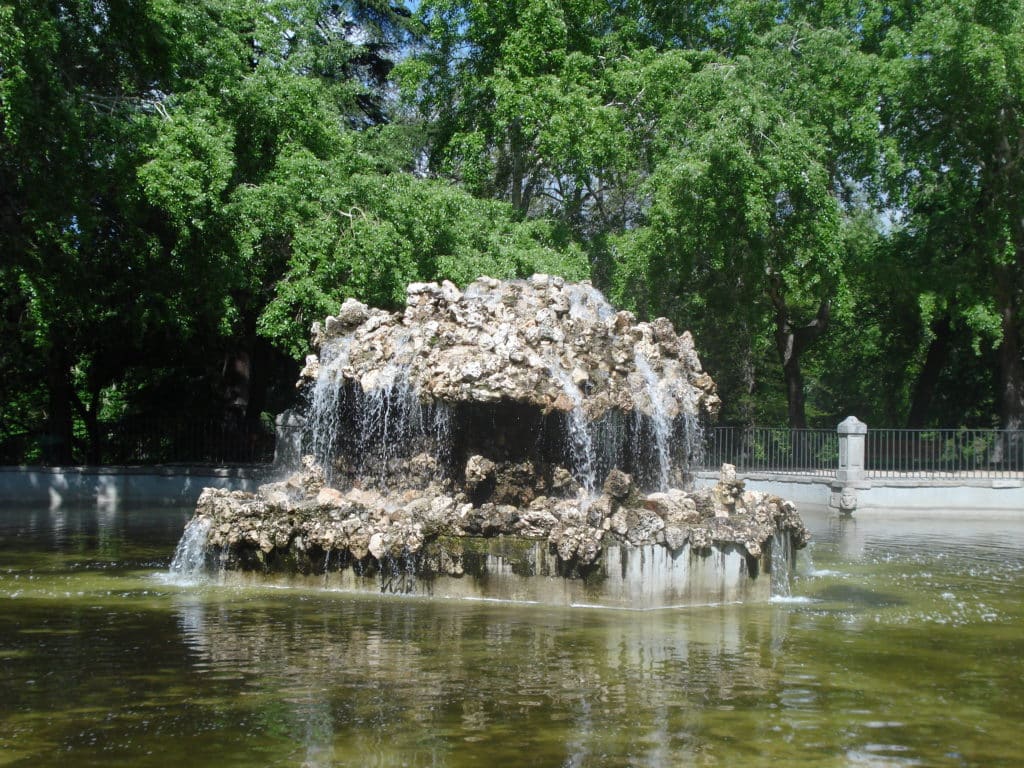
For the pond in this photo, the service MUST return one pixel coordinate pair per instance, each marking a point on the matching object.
(902, 644)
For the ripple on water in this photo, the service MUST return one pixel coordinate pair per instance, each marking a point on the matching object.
(896, 649)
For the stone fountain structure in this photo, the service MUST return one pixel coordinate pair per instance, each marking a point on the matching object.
(518, 440)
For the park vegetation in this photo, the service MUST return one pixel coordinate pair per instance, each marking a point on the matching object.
(827, 194)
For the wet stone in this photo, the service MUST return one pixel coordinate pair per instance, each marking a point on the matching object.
(529, 410)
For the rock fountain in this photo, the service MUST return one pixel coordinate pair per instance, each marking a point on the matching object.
(518, 440)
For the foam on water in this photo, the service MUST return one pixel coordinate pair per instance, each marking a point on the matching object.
(791, 599)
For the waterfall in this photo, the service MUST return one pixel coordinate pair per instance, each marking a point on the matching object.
(588, 303)
(581, 443)
(660, 421)
(391, 422)
(692, 438)
(388, 418)
(324, 417)
(189, 562)
(781, 564)
(370, 421)
(501, 410)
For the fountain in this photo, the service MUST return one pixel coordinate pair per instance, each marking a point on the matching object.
(519, 440)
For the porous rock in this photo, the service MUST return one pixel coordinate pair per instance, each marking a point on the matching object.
(523, 354)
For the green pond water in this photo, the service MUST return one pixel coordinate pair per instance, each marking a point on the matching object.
(903, 644)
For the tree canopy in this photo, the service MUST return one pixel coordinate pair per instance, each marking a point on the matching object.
(826, 193)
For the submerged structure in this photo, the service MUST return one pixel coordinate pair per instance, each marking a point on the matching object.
(518, 440)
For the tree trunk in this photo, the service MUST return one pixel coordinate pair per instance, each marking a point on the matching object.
(791, 342)
(237, 375)
(1011, 367)
(927, 379)
(795, 401)
(1008, 450)
(90, 416)
(58, 449)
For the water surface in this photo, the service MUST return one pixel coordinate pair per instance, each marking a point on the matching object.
(902, 645)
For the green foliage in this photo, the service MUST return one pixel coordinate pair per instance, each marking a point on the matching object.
(176, 176)
(955, 109)
(350, 230)
(523, 105)
(816, 189)
(743, 232)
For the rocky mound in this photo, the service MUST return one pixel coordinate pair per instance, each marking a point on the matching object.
(304, 517)
(526, 408)
(554, 345)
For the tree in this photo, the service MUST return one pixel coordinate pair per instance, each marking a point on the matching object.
(352, 227)
(76, 91)
(743, 237)
(520, 103)
(678, 144)
(956, 107)
(124, 129)
(185, 185)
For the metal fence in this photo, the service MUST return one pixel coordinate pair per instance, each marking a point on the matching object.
(140, 441)
(895, 453)
(773, 449)
(944, 453)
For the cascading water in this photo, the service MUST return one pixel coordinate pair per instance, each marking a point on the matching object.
(782, 566)
(690, 438)
(375, 417)
(593, 448)
(387, 418)
(189, 562)
(660, 421)
(371, 421)
(587, 303)
(323, 421)
(581, 443)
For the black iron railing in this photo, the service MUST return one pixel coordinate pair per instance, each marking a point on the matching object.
(773, 449)
(895, 453)
(944, 453)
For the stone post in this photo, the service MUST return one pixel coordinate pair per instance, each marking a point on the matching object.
(850, 474)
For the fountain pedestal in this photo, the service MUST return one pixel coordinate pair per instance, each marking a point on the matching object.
(512, 569)
(519, 440)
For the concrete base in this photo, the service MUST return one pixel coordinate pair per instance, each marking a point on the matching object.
(892, 493)
(512, 569)
(111, 486)
(796, 488)
(181, 486)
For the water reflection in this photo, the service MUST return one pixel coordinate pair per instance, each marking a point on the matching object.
(348, 669)
(903, 644)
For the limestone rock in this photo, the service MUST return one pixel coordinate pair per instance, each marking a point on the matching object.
(618, 484)
(478, 471)
(528, 370)
(329, 497)
(514, 340)
(369, 523)
(352, 314)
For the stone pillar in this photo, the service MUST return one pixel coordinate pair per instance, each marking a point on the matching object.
(850, 474)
